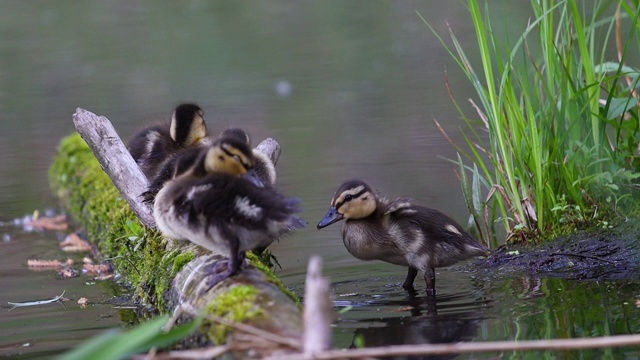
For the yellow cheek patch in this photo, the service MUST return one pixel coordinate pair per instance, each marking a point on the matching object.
(197, 132)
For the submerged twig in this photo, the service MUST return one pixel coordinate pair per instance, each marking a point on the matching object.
(35, 303)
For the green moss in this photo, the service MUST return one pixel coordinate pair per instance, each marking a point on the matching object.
(238, 304)
(137, 252)
(180, 261)
(257, 261)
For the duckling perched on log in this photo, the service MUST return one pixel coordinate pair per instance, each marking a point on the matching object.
(264, 171)
(264, 167)
(154, 144)
(215, 207)
(399, 232)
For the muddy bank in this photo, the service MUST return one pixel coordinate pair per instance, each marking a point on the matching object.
(605, 254)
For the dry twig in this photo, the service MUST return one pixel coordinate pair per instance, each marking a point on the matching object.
(474, 347)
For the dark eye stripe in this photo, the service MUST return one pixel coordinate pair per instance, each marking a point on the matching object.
(232, 155)
(353, 196)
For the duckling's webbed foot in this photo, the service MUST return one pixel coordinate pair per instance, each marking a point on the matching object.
(233, 267)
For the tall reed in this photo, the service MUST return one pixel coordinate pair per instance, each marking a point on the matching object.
(561, 117)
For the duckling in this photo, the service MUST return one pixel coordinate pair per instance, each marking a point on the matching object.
(213, 206)
(399, 232)
(152, 145)
(177, 164)
(182, 161)
(264, 167)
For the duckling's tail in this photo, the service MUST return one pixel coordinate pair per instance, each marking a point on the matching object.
(295, 222)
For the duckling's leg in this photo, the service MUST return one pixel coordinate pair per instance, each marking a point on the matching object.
(430, 279)
(233, 265)
(411, 275)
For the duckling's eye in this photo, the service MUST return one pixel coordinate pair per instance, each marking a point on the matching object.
(348, 197)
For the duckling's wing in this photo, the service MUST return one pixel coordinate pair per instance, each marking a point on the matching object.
(176, 165)
(150, 147)
(400, 206)
(143, 144)
(240, 203)
(454, 239)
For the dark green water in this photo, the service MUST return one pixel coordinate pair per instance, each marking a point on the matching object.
(349, 89)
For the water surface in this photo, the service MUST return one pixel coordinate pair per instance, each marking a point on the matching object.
(349, 89)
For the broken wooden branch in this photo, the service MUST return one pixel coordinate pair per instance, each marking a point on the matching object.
(115, 160)
(271, 148)
(318, 310)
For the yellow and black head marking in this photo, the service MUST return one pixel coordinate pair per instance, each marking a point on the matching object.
(353, 200)
(264, 168)
(229, 155)
(153, 145)
(237, 133)
(187, 125)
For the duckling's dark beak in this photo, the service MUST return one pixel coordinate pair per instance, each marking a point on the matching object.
(332, 216)
(252, 176)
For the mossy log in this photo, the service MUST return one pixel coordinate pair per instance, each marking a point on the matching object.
(166, 274)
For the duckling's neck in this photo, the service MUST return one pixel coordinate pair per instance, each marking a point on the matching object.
(199, 169)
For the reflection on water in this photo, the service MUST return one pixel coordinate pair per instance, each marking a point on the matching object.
(349, 89)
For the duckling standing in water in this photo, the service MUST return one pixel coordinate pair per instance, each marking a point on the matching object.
(215, 207)
(399, 232)
(152, 145)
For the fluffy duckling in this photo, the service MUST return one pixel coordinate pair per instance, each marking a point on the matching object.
(264, 167)
(213, 206)
(152, 145)
(264, 172)
(399, 232)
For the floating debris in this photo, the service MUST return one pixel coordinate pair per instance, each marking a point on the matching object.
(58, 298)
(43, 265)
(99, 269)
(68, 273)
(74, 243)
(37, 222)
(104, 277)
(83, 302)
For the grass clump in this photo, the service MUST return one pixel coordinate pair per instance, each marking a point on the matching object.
(561, 118)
